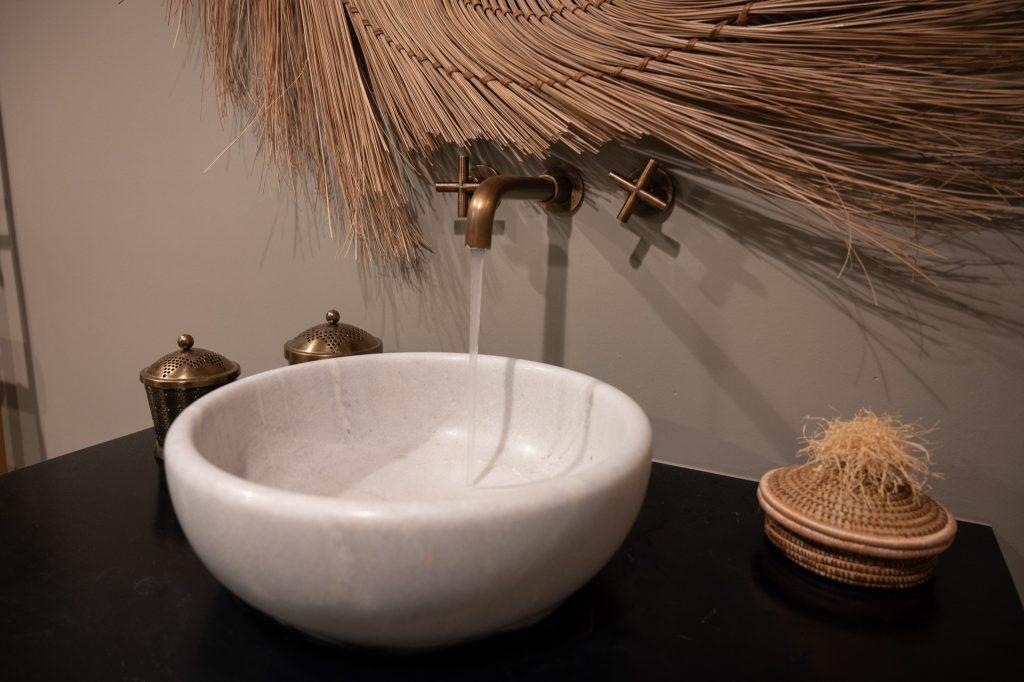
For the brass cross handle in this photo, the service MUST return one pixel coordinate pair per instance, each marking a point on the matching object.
(469, 180)
(650, 194)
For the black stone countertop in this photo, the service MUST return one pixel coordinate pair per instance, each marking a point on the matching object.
(98, 582)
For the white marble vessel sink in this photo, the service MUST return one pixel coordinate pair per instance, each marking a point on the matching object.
(332, 495)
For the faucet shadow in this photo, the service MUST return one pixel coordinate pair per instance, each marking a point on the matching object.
(559, 228)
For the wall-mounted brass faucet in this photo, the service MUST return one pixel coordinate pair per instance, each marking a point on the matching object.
(560, 190)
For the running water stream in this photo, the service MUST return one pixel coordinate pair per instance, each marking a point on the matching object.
(476, 279)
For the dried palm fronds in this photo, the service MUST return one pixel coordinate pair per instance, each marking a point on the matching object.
(883, 119)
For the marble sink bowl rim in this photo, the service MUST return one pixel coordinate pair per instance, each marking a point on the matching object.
(202, 491)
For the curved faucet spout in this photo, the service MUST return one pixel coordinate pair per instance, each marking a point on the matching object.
(490, 192)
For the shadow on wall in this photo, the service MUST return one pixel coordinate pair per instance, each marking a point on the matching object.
(966, 270)
(920, 312)
(22, 428)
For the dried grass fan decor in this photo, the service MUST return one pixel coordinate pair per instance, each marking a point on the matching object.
(889, 120)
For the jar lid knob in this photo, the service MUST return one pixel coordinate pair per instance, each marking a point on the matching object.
(185, 341)
(333, 316)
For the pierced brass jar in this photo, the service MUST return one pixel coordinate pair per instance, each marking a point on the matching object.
(332, 339)
(178, 379)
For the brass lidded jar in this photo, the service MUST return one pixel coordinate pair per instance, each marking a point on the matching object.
(332, 339)
(178, 379)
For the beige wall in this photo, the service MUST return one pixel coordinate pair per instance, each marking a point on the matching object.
(725, 334)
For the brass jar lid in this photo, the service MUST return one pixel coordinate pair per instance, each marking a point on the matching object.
(189, 367)
(331, 339)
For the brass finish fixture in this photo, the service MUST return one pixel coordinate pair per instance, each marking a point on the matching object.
(559, 190)
(178, 379)
(469, 179)
(332, 339)
(650, 194)
(569, 196)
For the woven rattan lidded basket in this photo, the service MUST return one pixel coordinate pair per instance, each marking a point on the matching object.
(892, 542)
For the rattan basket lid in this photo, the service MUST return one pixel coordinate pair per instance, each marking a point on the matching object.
(189, 367)
(330, 340)
(899, 525)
